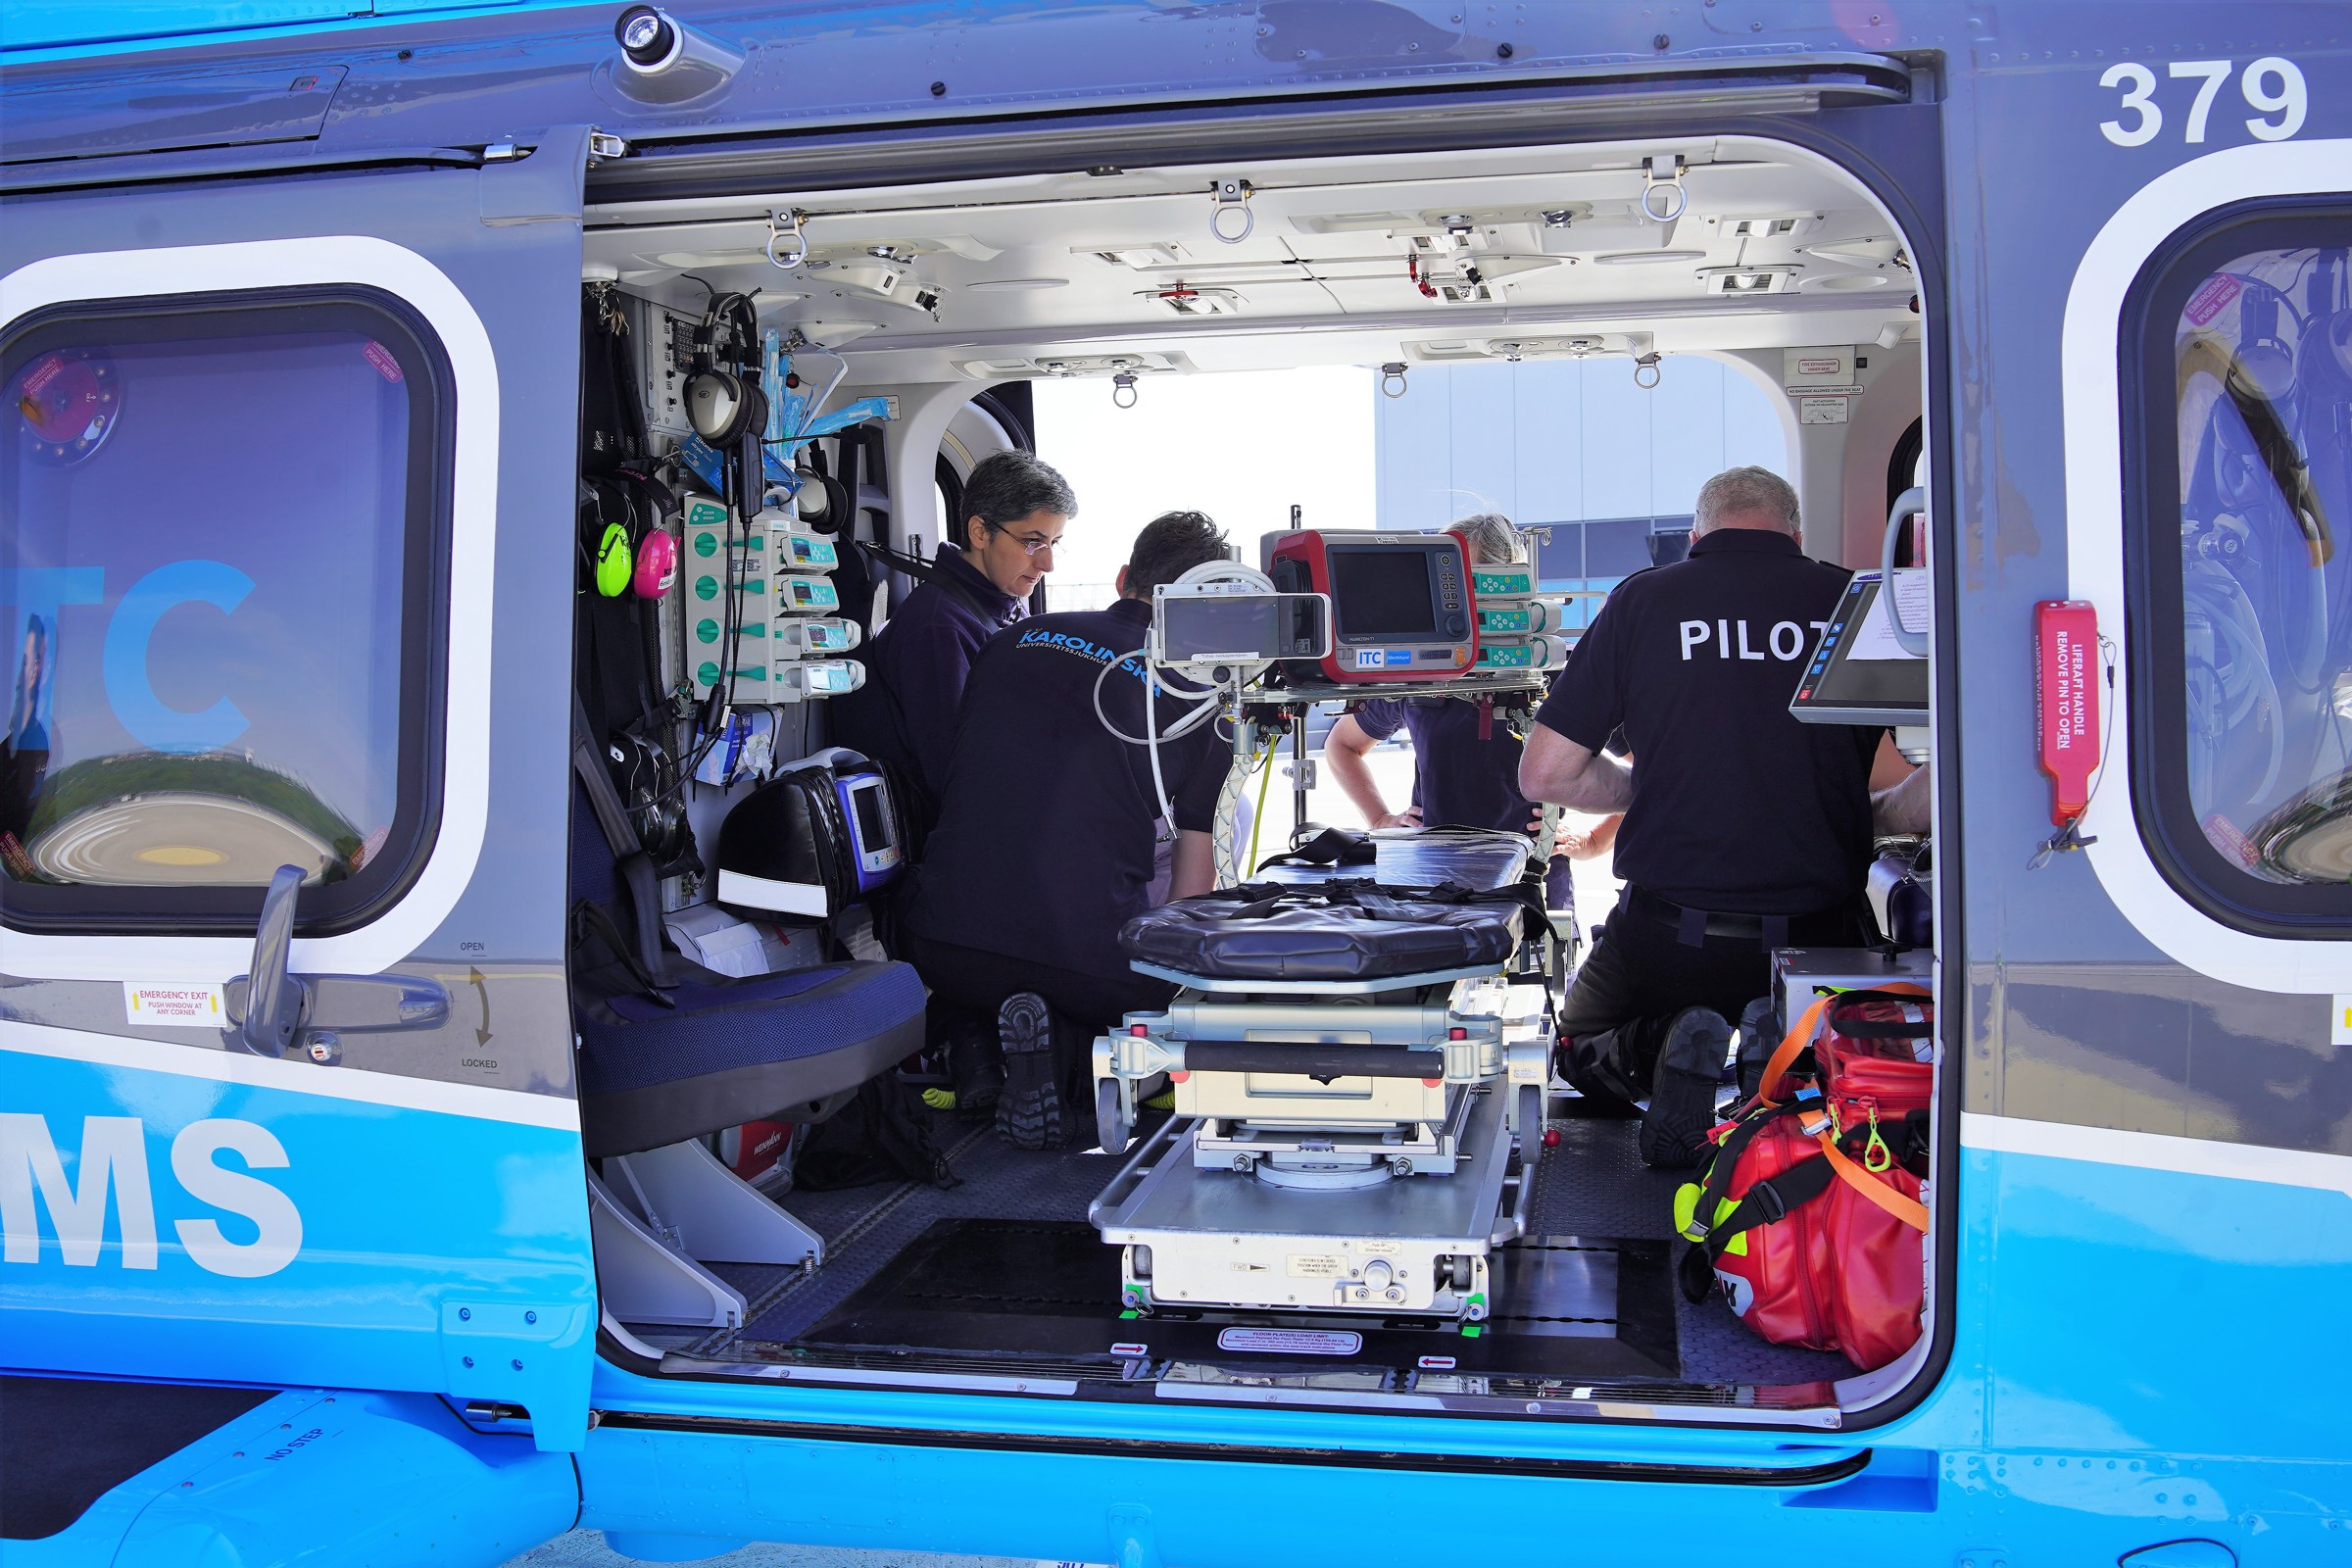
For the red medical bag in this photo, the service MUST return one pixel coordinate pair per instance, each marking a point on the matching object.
(1813, 1220)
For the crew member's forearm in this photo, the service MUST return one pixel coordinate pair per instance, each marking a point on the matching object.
(1555, 769)
(1353, 775)
(1603, 786)
(1905, 807)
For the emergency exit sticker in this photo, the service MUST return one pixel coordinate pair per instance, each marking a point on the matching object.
(184, 1006)
(2339, 1026)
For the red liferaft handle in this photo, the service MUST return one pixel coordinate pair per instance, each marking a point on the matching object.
(2066, 701)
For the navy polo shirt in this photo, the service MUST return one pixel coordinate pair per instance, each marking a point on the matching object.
(1459, 780)
(915, 674)
(1736, 807)
(1044, 845)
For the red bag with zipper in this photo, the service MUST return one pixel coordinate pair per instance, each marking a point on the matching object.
(1812, 1195)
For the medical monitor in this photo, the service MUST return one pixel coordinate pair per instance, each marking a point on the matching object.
(1400, 603)
(873, 827)
(1859, 673)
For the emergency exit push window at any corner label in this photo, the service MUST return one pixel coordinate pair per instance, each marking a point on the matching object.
(216, 667)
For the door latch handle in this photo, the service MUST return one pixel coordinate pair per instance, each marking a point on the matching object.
(270, 1005)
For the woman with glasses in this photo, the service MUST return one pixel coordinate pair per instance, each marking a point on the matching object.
(1015, 509)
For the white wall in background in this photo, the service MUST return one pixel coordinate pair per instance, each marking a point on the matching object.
(1562, 440)
(1243, 447)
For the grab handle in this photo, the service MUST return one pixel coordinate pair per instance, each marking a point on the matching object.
(1912, 502)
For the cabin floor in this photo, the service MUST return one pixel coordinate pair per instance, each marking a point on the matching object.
(1002, 1273)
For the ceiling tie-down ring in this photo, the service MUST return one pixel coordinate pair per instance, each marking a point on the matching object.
(1663, 198)
(784, 225)
(1230, 193)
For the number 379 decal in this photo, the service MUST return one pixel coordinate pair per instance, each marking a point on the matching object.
(2271, 87)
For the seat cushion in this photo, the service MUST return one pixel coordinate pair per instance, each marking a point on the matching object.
(743, 1050)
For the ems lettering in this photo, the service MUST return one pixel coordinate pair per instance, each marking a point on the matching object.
(1737, 638)
(111, 1172)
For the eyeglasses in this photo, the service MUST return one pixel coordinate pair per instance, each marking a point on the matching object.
(1030, 543)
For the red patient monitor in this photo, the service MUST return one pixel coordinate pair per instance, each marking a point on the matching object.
(1400, 603)
(2066, 701)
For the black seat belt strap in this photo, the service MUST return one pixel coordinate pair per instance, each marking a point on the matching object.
(635, 866)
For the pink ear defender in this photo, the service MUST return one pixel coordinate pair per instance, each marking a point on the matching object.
(656, 565)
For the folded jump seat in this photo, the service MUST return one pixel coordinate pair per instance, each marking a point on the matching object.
(671, 1052)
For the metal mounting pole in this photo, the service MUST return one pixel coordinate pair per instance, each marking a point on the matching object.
(1302, 779)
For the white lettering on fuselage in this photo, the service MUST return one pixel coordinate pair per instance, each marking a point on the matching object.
(1734, 639)
(113, 1163)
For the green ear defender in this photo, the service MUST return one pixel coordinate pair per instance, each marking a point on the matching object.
(615, 561)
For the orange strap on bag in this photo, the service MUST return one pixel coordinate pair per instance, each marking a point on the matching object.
(1807, 1025)
(1801, 1035)
(1908, 1211)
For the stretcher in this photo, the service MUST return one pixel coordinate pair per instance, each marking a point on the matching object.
(1343, 1137)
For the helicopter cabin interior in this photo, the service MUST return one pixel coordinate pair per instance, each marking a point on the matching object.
(942, 303)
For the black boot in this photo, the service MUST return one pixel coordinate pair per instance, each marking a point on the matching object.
(1029, 1111)
(975, 1063)
(1682, 1092)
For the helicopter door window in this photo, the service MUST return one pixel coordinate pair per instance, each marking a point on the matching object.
(221, 578)
(2243, 751)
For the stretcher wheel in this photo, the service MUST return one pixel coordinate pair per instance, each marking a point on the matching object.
(1531, 1116)
(1114, 1129)
(1458, 1273)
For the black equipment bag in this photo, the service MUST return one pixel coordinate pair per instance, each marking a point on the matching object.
(1344, 930)
(787, 851)
(881, 1136)
(618, 639)
(612, 421)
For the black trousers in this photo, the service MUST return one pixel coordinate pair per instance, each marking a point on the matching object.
(1642, 973)
(1084, 1004)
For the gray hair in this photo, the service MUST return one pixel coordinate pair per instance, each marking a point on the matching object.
(1492, 538)
(1750, 489)
(1008, 486)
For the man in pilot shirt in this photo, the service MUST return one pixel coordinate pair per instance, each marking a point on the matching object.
(1743, 831)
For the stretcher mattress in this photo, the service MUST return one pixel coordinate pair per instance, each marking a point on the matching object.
(1425, 857)
(1345, 929)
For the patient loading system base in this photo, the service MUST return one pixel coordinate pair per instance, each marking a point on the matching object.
(1204, 1237)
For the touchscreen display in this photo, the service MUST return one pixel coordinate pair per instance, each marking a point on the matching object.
(1858, 663)
(1383, 593)
(872, 834)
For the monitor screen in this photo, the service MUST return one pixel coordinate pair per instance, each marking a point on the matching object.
(1208, 624)
(1383, 593)
(1859, 674)
(865, 798)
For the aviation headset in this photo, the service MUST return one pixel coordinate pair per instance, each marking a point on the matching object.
(723, 398)
(651, 792)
